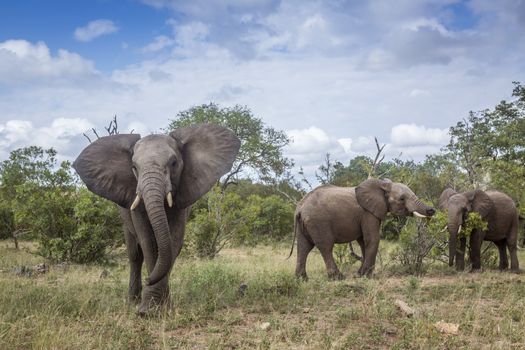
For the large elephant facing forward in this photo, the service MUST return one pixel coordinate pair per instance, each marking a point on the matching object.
(331, 214)
(154, 180)
(498, 209)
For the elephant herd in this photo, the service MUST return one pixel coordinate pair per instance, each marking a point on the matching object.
(155, 180)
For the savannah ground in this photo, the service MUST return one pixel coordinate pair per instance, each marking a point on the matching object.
(80, 307)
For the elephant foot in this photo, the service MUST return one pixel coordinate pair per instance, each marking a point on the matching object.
(151, 307)
(134, 299)
(336, 276)
(475, 270)
(301, 276)
(516, 271)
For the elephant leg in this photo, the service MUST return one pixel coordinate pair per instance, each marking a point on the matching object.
(503, 260)
(512, 244)
(475, 251)
(460, 254)
(136, 258)
(328, 257)
(361, 242)
(370, 228)
(304, 246)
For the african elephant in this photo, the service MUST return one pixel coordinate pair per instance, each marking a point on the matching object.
(154, 180)
(500, 212)
(331, 214)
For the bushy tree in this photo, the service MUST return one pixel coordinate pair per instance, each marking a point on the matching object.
(261, 151)
(69, 224)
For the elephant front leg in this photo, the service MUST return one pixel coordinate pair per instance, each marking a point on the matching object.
(475, 250)
(503, 259)
(135, 257)
(361, 242)
(370, 228)
(460, 254)
(155, 296)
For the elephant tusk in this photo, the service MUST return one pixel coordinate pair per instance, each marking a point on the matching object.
(136, 202)
(444, 228)
(415, 213)
(459, 230)
(169, 198)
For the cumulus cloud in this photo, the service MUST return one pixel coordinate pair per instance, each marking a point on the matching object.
(159, 43)
(95, 29)
(22, 61)
(59, 135)
(411, 135)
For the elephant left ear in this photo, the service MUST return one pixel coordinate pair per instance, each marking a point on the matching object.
(208, 152)
(443, 199)
(371, 195)
(481, 202)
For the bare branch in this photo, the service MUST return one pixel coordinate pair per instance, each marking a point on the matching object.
(378, 159)
(87, 137)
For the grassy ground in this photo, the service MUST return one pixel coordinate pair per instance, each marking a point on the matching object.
(76, 308)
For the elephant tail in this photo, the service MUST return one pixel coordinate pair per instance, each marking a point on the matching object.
(296, 227)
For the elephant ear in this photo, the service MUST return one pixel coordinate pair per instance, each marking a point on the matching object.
(371, 194)
(208, 152)
(480, 201)
(105, 167)
(443, 199)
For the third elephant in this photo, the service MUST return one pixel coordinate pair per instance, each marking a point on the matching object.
(498, 209)
(331, 214)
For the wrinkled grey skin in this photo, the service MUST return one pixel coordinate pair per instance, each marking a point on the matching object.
(500, 212)
(187, 163)
(331, 214)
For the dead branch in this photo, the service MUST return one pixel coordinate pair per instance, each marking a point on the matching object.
(378, 159)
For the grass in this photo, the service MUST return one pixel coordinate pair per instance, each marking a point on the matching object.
(76, 308)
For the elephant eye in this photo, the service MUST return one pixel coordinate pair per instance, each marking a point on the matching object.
(173, 163)
(402, 198)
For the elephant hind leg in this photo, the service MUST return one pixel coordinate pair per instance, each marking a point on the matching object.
(304, 246)
(328, 257)
(503, 260)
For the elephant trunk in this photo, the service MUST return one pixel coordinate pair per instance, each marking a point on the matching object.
(422, 210)
(154, 194)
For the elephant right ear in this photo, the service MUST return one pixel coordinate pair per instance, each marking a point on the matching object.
(481, 202)
(443, 199)
(371, 194)
(105, 166)
(208, 152)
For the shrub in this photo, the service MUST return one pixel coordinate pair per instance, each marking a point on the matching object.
(419, 240)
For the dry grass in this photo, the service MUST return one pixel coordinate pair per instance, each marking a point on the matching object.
(75, 308)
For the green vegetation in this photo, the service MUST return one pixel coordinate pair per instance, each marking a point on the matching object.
(224, 303)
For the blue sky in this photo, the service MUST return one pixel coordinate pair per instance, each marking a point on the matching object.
(333, 74)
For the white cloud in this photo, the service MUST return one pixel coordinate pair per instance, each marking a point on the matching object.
(22, 62)
(410, 135)
(94, 29)
(59, 135)
(308, 140)
(160, 42)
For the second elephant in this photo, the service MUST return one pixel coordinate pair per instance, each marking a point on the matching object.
(331, 214)
(500, 212)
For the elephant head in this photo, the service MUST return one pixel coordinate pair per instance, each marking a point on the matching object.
(158, 170)
(382, 196)
(458, 205)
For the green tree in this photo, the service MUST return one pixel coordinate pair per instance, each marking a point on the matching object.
(44, 198)
(261, 151)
